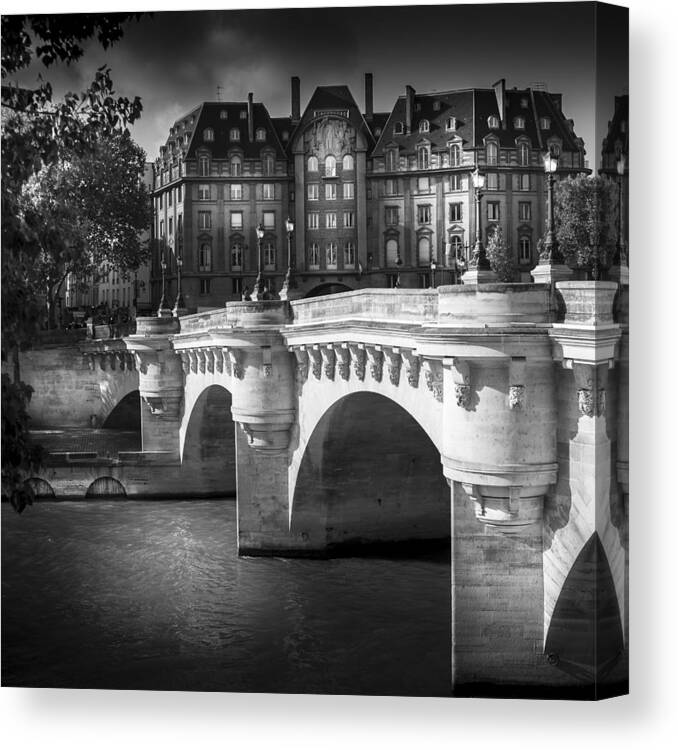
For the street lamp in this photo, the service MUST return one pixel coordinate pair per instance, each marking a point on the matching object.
(258, 292)
(434, 265)
(551, 253)
(620, 259)
(287, 283)
(398, 262)
(479, 259)
(179, 302)
(163, 309)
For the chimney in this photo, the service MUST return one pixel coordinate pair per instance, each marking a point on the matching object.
(500, 92)
(296, 99)
(409, 108)
(368, 97)
(250, 117)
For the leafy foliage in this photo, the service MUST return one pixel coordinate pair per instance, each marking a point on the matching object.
(499, 256)
(586, 220)
(40, 134)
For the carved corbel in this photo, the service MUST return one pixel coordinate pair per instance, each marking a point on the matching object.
(376, 359)
(218, 355)
(122, 360)
(88, 360)
(316, 361)
(433, 374)
(266, 362)
(517, 378)
(235, 357)
(201, 359)
(193, 360)
(209, 359)
(142, 363)
(412, 367)
(329, 360)
(112, 358)
(131, 362)
(358, 356)
(393, 364)
(461, 377)
(516, 396)
(344, 364)
(504, 509)
(301, 355)
(165, 407)
(267, 438)
(185, 361)
(590, 380)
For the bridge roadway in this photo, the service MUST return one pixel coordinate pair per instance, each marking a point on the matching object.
(494, 414)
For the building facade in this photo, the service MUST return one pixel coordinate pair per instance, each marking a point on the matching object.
(374, 199)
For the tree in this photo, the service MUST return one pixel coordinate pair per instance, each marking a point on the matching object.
(586, 221)
(37, 132)
(84, 212)
(499, 256)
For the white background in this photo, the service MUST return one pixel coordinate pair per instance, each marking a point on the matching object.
(645, 719)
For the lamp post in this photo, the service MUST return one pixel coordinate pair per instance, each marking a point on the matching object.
(288, 282)
(551, 266)
(479, 268)
(179, 306)
(163, 309)
(434, 265)
(258, 292)
(399, 262)
(620, 267)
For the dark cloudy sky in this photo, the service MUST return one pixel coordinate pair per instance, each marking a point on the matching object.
(175, 60)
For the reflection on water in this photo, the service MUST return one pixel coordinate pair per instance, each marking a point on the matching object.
(152, 595)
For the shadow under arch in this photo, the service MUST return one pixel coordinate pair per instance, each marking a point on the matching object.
(42, 490)
(585, 637)
(370, 475)
(329, 288)
(126, 415)
(209, 441)
(107, 487)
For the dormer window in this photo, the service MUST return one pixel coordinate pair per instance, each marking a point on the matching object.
(492, 122)
(424, 126)
(398, 128)
(234, 134)
(186, 136)
(519, 123)
(455, 155)
(377, 132)
(451, 123)
(243, 114)
(524, 155)
(208, 134)
(622, 126)
(223, 115)
(312, 163)
(285, 135)
(417, 107)
(423, 157)
(524, 103)
(491, 153)
(260, 134)
(436, 106)
(391, 160)
(545, 123)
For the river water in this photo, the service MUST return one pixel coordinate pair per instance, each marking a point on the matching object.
(152, 595)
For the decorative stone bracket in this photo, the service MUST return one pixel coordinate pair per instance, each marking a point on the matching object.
(461, 377)
(165, 406)
(508, 510)
(266, 438)
(110, 360)
(412, 366)
(329, 359)
(591, 381)
(375, 357)
(344, 361)
(393, 364)
(211, 359)
(433, 374)
(316, 361)
(517, 377)
(359, 356)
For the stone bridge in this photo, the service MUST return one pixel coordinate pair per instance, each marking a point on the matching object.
(494, 416)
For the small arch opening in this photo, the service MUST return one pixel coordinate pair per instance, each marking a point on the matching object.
(106, 487)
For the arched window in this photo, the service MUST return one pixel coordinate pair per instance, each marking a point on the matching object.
(236, 255)
(330, 166)
(525, 250)
(423, 157)
(260, 134)
(269, 256)
(455, 155)
(204, 166)
(424, 126)
(392, 254)
(331, 255)
(205, 257)
(236, 166)
(208, 134)
(314, 255)
(312, 163)
(349, 255)
(347, 162)
(493, 122)
(524, 155)
(491, 153)
(234, 134)
(268, 164)
(424, 251)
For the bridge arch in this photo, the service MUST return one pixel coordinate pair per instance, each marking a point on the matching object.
(42, 490)
(105, 487)
(126, 414)
(208, 437)
(327, 288)
(369, 473)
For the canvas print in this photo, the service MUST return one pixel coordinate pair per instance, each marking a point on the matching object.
(315, 350)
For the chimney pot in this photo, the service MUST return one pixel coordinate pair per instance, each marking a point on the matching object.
(296, 99)
(368, 97)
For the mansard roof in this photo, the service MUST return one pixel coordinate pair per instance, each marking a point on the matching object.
(618, 126)
(472, 109)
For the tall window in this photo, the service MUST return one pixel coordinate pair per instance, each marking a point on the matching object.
(455, 211)
(423, 184)
(204, 166)
(398, 128)
(493, 122)
(236, 166)
(524, 181)
(162, 228)
(455, 155)
(451, 123)
(424, 251)
(525, 249)
(392, 218)
(260, 135)
(525, 211)
(208, 134)
(331, 255)
(313, 220)
(314, 255)
(236, 219)
(204, 286)
(347, 162)
(519, 123)
(269, 256)
(391, 187)
(491, 153)
(269, 219)
(204, 219)
(545, 123)
(424, 214)
(349, 255)
(236, 256)
(312, 191)
(203, 192)
(456, 247)
(205, 257)
(492, 211)
(524, 155)
(349, 219)
(269, 165)
(348, 191)
(423, 157)
(331, 191)
(492, 181)
(455, 182)
(268, 191)
(234, 134)
(330, 220)
(424, 126)
(236, 191)
(330, 166)
(312, 163)
(392, 254)
(391, 160)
